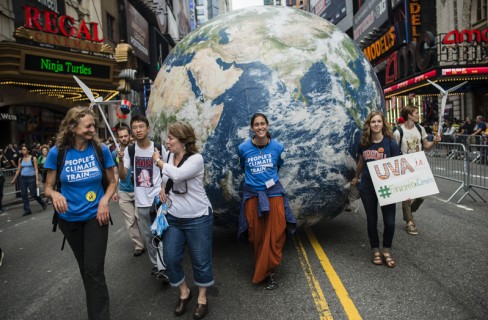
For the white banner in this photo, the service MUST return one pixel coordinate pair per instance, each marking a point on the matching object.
(403, 177)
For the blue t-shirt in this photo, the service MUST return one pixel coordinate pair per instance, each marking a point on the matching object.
(260, 164)
(81, 180)
(481, 125)
(126, 185)
(387, 148)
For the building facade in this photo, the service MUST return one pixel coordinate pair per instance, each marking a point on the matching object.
(114, 46)
(406, 46)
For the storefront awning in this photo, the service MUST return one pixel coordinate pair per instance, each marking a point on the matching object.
(419, 84)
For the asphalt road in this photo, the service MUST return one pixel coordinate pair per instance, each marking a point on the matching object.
(326, 273)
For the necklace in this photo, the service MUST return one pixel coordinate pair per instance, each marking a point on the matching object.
(262, 147)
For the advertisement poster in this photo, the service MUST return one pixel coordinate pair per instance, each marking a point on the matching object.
(403, 177)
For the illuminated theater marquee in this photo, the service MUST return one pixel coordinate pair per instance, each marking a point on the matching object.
(45, 64)
(58, 31)
(50, 22)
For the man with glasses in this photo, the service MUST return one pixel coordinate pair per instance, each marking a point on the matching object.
(145, 190)
(125, 196)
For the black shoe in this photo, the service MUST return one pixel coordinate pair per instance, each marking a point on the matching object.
(154, 271)
(26, 213)
(181, 304)
(44, 206)
(138, 252)
(200, 311)
(162, 276)
(271, 283)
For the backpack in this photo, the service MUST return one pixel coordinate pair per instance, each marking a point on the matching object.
(400, 130)
(132, 153)
(57, 186)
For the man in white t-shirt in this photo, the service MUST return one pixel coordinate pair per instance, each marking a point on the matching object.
(412, 138)
(147, 184)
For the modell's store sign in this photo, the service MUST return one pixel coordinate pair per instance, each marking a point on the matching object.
(46, 24)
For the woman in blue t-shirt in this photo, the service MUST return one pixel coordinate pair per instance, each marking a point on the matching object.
(264, 210)
(82, 203)
(29, 179)
(376, 143)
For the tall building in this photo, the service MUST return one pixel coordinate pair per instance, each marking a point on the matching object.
(208, 9)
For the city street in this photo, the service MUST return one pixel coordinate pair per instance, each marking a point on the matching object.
(326, 271)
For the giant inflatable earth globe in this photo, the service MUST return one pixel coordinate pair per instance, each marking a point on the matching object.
(310, 79)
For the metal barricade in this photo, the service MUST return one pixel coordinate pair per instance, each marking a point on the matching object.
(465, 163)
(478, 171)
(8, 188)
(11, 192)
(448, 161)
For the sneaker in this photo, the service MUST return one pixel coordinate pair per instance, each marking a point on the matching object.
(411, 228)
(26, 213)
(138, 252)
(1, 257)
(44, 206)
(154, 271)
(162, 276)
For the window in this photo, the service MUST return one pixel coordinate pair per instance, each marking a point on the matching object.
(110, 27)
(480, 10)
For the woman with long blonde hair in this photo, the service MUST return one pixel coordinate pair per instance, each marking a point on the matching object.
(376, 143)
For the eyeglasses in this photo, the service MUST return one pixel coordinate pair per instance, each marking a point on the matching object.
(179, 186)
(141, 126)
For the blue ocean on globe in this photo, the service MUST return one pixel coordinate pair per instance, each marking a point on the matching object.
(310, 79)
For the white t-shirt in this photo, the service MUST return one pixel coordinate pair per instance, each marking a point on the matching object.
(188, 197)
(411, 141)
(147, 176)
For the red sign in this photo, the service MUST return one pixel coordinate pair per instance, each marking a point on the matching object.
(456, 36)
(411, 81)
(464, 71)
(50, 22)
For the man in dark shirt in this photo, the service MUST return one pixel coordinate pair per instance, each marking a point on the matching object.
(467, 127)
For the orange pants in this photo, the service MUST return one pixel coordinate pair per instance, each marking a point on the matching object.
(266, 236)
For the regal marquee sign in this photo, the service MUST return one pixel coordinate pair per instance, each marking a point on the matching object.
(52, 29)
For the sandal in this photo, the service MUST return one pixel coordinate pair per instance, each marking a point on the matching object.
(272, 284)
(377, 260)
(389, 261)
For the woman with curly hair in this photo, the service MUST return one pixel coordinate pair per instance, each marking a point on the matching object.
(81, 201)
(376, 143)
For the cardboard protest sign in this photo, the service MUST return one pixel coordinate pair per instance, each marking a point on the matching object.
(403, 177)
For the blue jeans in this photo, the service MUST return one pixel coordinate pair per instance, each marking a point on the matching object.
(370, 203)
(29, 182)
(197, 234)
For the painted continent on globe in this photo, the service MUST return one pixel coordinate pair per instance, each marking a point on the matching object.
(309, 78)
